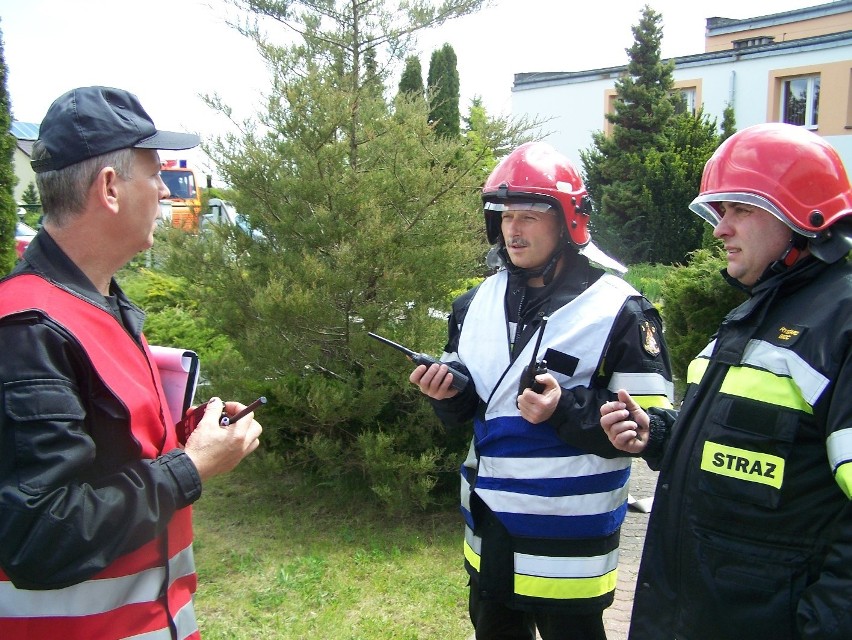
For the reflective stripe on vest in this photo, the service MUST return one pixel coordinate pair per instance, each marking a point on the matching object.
(93, 596)
(696, 369)
(125, 599)
(554, 578)
(647, 389)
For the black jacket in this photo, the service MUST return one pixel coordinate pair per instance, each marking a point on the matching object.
(97, 500)
(751, 530)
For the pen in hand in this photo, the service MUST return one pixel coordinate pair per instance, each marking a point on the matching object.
(226, 420)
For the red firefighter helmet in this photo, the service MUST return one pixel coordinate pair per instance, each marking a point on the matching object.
(536, 173)
(787, 170)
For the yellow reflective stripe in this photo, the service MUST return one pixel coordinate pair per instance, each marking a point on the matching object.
(786, 363)
(843, 476)
(557, 588)
(763, 386)
(471, 556)
(743, 464)
(696, 370)
(646, 402)
(565, 588)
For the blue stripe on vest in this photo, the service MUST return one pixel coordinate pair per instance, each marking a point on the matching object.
(534, 526)
(583, 485)
(514, 437)
(468, 517)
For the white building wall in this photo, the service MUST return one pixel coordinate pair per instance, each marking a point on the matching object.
(574, 109)
(570, 113)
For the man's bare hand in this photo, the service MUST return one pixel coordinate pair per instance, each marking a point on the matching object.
(538, 407)
(434, 381)
(216, 450)
(625, 423)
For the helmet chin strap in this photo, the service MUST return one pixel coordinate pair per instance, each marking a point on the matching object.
(794, 250)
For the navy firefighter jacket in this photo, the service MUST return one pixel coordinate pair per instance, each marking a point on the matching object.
(750, 535)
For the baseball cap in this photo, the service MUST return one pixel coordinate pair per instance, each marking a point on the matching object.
(90, 121)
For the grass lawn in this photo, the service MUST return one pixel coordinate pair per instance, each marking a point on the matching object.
(278, 558)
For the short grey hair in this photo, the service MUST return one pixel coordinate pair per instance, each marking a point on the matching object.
(63, 192)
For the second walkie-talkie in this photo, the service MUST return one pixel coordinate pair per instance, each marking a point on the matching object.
(535, 367)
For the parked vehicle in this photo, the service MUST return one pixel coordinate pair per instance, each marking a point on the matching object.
(222, 212)
(185, 194)
(23, 234)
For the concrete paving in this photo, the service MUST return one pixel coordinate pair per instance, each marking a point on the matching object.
(617, 617)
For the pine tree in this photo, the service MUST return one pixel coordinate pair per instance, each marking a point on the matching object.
(672, 179)
(411, 82)
(476, 133)
(729, 123)
(8, 180)
(644, 100)
(643, 175)
(369, 220)
(443, 90)
(30, 196)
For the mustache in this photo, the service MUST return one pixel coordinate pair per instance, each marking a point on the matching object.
(518, 242)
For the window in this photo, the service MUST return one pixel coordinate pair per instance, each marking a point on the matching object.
(181, 184)
(687, 95)
(688, 92)
(800, 101)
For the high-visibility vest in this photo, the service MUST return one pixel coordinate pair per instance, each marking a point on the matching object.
(538, 486)
(146, 593)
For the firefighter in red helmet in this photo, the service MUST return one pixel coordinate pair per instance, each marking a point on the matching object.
(751, 530)
(543, 490)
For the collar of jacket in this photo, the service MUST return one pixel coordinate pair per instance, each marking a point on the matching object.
(751, 313)
(46, 258)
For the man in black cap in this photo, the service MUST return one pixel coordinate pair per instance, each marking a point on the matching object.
(95, 488)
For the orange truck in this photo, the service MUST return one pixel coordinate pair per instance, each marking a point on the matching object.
(185, 196)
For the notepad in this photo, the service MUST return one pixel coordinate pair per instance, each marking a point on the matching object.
(179, 369)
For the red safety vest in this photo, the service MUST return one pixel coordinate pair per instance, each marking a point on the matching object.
(125, 599)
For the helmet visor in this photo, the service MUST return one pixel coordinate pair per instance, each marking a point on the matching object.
(706, 206)
(517, 206)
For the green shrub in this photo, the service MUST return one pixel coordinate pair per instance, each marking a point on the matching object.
(647, 279)
(400, 480)
(172, 317)
(695, 301)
